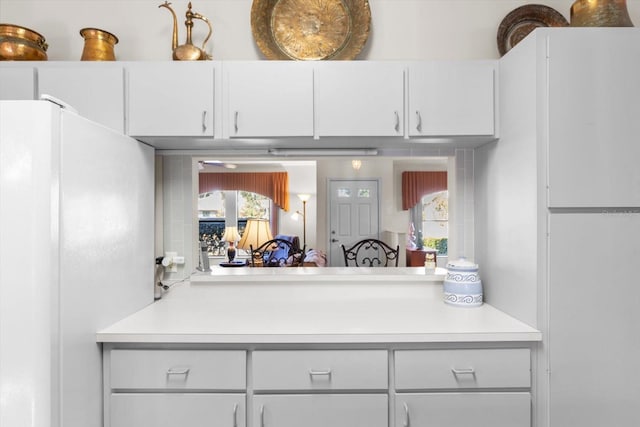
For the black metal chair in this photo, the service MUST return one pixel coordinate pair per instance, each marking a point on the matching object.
(277, 253)
(371, 253)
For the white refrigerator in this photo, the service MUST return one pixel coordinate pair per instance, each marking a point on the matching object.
(76, 254)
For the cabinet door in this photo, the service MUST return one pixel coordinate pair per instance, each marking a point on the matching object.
(452, 98)
(95, 91)
(171, 410)
(269, 98)
(17, 83)
(321, 410)
(357, 98)
(594, 118)
(594, 317)
(171, 99)
(463, 409)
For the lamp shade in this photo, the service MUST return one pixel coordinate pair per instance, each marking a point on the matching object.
(231, 234)
(256, 232)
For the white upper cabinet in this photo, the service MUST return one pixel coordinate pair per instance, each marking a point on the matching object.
(594, 118)
(451, 98)
(17, 83)
(95, 91)
(268, 98)
(183, 104)
(171, 98)
(357, 98)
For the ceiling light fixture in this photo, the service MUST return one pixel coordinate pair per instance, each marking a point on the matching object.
(356, 164)
(323, 152)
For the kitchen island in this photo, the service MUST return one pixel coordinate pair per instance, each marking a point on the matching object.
(256, 347)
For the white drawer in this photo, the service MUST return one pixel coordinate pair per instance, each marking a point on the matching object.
(178, 369)
(320, 370)
(460, 369)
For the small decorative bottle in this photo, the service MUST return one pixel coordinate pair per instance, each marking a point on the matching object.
(430, 263)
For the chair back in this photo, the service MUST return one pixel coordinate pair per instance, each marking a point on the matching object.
(371, 253)
(277, 253)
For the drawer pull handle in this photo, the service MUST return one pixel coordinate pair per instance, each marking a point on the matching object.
(467, 371)
(235, 415)
(326, 372)
(397, 125)
(405, 423)
(178, 371)
(418, 121)
(235, 121)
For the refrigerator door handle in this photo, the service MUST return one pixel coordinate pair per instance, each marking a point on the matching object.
(60, 103)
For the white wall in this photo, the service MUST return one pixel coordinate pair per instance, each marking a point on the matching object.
(302, 180)
(506, 177)
(401, 29)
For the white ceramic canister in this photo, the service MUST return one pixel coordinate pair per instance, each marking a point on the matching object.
(462, 285)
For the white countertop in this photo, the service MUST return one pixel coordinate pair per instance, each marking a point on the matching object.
(336, 310)
(322, 274)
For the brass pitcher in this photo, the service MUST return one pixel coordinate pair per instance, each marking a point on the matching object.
(188, 51)
(600, 13)
(98, 45)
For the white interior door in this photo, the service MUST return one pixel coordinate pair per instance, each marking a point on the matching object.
(354, 215)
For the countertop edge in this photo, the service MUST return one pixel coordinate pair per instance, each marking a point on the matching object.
(319, 338)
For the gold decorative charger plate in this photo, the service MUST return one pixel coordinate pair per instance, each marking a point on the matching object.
(521, 21)
(310, 29)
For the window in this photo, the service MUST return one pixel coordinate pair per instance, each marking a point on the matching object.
(425, 195)
(431, 219)
(252, 205)
(216, 209)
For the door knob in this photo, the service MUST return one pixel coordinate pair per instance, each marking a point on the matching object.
(334, 240)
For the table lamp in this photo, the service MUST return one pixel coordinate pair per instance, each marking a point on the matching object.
(231, 235)
(256, 232)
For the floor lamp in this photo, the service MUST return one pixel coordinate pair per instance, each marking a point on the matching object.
(305, 198)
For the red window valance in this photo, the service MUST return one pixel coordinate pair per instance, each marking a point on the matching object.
(274, 185)
(415, 185)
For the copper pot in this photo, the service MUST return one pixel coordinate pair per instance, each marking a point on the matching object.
(21, 44)
(98, 45)
(600, 13)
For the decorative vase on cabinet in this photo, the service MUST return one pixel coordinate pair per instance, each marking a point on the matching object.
(600, 13)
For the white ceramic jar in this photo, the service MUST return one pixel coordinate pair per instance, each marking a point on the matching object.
(462, 285)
